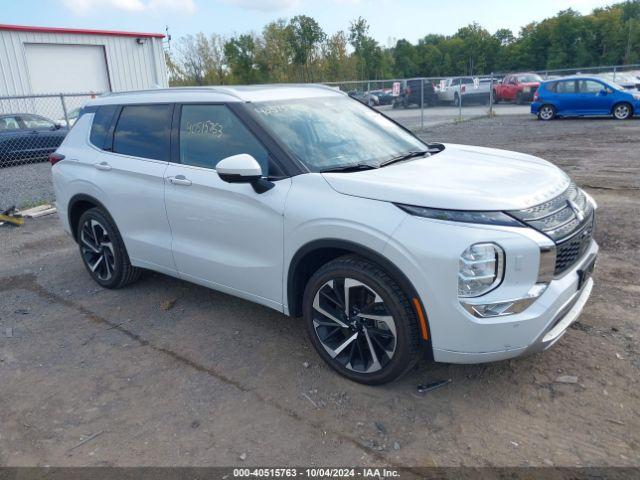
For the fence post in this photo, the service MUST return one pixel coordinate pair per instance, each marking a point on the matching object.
(64, 110)
(422, 104)
(614, 74)
(491, 97)
(460, 100)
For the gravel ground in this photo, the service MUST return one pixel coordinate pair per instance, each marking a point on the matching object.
(168, 373)
(25, 185)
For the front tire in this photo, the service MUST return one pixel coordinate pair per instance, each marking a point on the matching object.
(360, 321)
(546, 113)
(102, 250)
(622, 111)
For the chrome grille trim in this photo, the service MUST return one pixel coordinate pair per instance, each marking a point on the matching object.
(568, 220)
(560, 217)
(547, 208)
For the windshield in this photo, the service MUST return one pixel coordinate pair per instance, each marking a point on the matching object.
(608, 80)
(529, 78)
(331, 132)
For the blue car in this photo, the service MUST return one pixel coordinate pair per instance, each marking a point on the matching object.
(584, 96)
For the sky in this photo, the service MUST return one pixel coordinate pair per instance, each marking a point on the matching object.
(389, 20)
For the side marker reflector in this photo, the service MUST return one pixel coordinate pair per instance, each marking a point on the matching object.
(421, 320)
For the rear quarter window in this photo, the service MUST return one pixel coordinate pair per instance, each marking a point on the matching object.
(101, 122)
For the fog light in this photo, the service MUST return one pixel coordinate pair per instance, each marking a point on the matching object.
(507, 307)
(480, 269)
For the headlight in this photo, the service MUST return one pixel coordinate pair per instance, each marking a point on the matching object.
(481, 267)
(636, 96)
(486, 218)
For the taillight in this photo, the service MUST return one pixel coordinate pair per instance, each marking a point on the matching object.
(463, 88)
(55, 158)
(536, 97)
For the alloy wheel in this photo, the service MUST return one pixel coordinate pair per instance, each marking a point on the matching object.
(546, 113)
(353, 325)
(97, 249)
(621, 112)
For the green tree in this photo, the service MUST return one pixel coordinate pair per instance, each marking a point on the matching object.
(241, 53)
(305, 36)
(274, 58)
(405, 57)
(337, 64)
(298, 50)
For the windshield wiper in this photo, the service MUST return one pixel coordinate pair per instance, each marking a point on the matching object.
(406, 156)
(354, 167)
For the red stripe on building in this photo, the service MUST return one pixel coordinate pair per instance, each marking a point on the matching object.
(80, 31)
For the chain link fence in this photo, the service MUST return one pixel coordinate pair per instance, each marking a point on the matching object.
(418, 103)
(32, 127)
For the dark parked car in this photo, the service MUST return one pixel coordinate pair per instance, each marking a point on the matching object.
(411, 94)
(368, 98)
(28, 137)
(384, 96)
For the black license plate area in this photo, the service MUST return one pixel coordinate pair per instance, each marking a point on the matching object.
(585, 272)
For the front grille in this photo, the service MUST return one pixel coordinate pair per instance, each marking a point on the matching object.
(569, 251)
(568, 220)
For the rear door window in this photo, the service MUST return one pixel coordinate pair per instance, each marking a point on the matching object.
(566, 87)
(144, 131)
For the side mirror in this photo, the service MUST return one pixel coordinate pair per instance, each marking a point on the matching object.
(57, 126)
(603, 92)
(243, 168)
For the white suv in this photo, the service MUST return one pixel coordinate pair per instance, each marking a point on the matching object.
(308, 202)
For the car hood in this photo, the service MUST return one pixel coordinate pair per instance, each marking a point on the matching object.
(459, 178)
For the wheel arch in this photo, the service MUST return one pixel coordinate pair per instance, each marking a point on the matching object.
(313, 255)
(78, 204)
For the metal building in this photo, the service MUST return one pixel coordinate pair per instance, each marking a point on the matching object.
(41, 60)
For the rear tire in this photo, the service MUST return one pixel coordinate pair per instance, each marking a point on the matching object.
(622, 111)
(378, 318)
(546, 113)
(102, 250)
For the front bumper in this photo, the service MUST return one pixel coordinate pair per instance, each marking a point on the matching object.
(456, 335)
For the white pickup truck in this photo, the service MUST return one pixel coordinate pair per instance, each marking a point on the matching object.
(470, 89)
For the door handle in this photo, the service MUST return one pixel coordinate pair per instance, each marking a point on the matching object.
(102, 166)
(180, 180)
